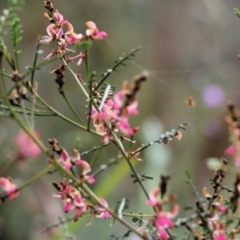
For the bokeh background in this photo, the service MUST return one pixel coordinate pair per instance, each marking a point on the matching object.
(189, 49)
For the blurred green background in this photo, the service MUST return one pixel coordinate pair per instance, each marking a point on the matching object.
(189, 49)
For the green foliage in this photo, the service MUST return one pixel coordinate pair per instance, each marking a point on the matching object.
(229, 205)
(9, 14)
(3, 47)
(236, 12)
(4, 52)
(85, 45)
(16, 33)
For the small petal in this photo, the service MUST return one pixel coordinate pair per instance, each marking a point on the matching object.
(100, 36)
(58, 17)
(153, 197)
(84, 165)
(91, 25)
(8, 186)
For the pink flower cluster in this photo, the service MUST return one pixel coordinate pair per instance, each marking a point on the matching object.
(56, 32)
(234, 149)
(69, 162)
(164, 219)
(71, 197)
(27, 147)
(73, 200)
(62, 31)
(114, 112)
(8, 186)
(216, 225)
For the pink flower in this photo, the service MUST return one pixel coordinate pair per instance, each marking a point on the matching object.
(220, 236)
(125, 127)
(162, 233)
(84, 165)
(219, 231)
(27, 147)
(153, 197)
(73, 38)
(89, 179)
(65, 159)
(93, 31)
(221, 209)
(231, 150)
(8, 186)
(79, 212)
(100, 211)
(72, 199)
(119, 100)
(67, 205)
(164, 221)
(53, 34)
(55, 31)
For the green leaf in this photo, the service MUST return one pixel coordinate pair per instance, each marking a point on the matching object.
(236, 12)
(135, 219)
(84, 45)
(188, 174)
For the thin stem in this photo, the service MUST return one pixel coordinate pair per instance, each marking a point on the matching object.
(69, 219)
(35, 61)
(16, 55)
(29, 132)
(104, 167)
(95, 149)
(36, 112)
(25, 114)
(87, 68)
(139, 215)
(31, 180)
(72, 108)
(123, 152)
(5, 74)
(44, 63)
(64, 117)
(95, 157)
(225, 187)
(107, 74)
(89, 85)
(3, 87)
(75, 77)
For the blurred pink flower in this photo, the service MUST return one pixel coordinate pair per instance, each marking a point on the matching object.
(27, 147)
(84, 165)
(65, 159)
(219, 231)
(231, 150)
(153, 197)
(93, 31)
(8, 186)
(163, 219)
(100, 211)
